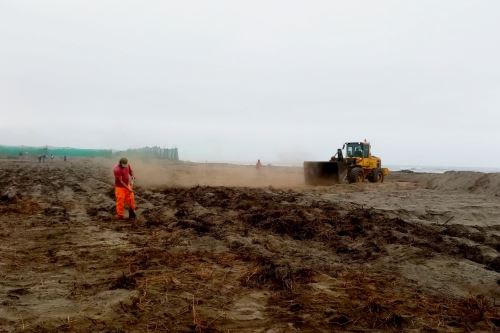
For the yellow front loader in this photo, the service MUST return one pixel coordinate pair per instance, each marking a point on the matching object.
(357, 165)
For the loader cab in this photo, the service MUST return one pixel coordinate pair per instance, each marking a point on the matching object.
(357, 149)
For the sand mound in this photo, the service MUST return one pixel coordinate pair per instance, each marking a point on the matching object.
(473, 182)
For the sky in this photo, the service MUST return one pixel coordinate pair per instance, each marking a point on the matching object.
(282, 81)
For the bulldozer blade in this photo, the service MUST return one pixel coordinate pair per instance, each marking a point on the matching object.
(324, 173)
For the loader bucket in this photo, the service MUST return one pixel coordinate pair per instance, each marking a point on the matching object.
(324, 173)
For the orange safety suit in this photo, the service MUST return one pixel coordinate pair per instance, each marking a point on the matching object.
(123, 195)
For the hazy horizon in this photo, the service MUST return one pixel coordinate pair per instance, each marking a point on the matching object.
(392, 167)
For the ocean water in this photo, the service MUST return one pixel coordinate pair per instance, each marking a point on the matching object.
(440, 169)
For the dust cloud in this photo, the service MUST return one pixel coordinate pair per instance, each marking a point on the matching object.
(158, 173)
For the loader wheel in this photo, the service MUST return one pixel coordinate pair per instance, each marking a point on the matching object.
(376, 176)
(356, 175)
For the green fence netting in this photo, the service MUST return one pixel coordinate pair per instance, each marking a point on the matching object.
(56, 151)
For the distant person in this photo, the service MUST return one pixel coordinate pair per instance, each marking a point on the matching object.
(258, 165)
(123, 189)
(39, 158)
(64, 158)
(51, 156)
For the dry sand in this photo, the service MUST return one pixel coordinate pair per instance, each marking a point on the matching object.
(221, 248)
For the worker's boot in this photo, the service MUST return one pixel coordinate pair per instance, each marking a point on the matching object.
(131, 214)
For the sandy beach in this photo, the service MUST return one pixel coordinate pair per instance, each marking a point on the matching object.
(226, 248)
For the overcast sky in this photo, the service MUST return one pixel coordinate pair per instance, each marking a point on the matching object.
(234, 80)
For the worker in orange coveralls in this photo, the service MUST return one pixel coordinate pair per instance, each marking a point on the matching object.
(123, 189)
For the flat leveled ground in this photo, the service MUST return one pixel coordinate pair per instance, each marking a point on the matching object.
(228, 249)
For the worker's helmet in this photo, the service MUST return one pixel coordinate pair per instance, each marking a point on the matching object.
(123, 161)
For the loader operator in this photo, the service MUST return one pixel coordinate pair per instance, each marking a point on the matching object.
(123, 189)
